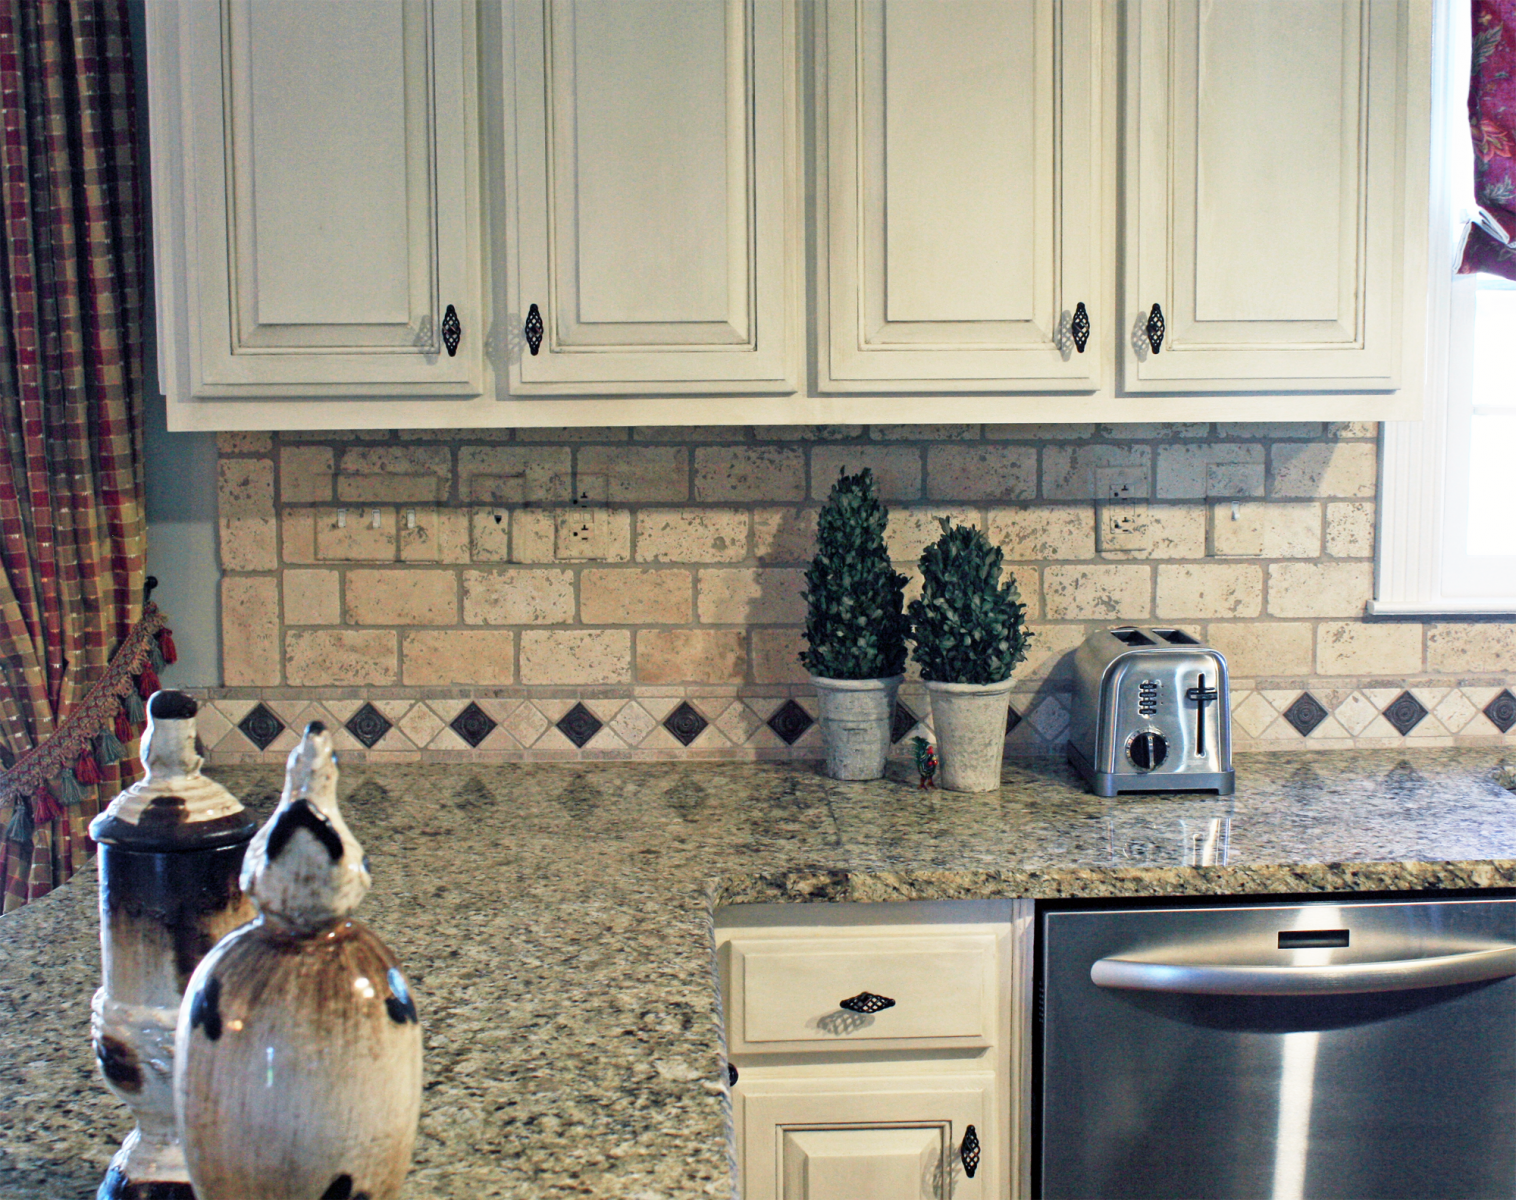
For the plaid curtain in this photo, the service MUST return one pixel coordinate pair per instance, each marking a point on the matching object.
(1491, 244)
(71, 498)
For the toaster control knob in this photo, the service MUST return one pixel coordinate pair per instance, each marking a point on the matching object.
(1147, 750)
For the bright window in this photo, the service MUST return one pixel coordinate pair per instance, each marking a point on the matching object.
(1447, 537)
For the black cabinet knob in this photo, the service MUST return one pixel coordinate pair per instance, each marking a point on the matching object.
(533, 328)
(866, 1002)
(1080, 327)
(452, 330)
(969, 1152)
(1155, 328)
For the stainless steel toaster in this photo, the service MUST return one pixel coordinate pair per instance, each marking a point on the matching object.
(1150, 713)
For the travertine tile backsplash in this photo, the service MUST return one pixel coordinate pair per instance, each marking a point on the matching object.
(653, 578)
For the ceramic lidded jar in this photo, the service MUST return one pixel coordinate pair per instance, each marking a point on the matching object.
(298, 1055)
(171, 850)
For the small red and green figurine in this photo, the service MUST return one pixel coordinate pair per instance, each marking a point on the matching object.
(926, 761)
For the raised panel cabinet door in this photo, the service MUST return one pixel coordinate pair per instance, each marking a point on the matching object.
(330, 169)
(651, 199)
(961, 224)
(1265, 182)
(893, 1138)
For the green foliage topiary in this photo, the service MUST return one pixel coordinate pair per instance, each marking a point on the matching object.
(854, 596)
(970, 628)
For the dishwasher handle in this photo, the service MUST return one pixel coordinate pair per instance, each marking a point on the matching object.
(1336, 979)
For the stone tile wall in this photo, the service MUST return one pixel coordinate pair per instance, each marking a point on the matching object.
(615, 592)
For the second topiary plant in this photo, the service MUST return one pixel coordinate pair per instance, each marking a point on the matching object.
(856, 629)
(970, 632)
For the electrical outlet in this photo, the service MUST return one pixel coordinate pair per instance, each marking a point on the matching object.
(583, 533)
(1123, 526)
(1121, 483)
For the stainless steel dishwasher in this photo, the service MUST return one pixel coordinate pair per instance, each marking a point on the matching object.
(1280, 1050)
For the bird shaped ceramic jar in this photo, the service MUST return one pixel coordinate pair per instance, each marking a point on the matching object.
(298, 1052)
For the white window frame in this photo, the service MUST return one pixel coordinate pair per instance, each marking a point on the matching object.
(1421, 568)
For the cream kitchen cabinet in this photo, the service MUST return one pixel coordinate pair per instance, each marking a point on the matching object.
(317, 205)
(651, 202)
(1268, 203)
(789, 212)
(879, 1049)
(961, 208)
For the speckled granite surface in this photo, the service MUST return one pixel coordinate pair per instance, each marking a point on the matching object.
(555, 921)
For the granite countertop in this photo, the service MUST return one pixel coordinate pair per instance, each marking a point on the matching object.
(556, 925)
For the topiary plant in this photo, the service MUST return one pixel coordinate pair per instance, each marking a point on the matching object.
(969, 627)
(854, 595)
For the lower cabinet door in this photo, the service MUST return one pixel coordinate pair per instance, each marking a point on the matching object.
(895, 1138)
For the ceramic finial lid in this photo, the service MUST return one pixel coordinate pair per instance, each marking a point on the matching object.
(175, 807)
(305, 867)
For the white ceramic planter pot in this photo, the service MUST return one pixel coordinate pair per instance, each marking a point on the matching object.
(856, 715)
(969, 721)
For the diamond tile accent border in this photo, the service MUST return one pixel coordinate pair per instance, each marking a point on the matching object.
(1405, 713)
(1502, 711)
(685, 723)
(473, 724)
(790, 722)
(579, 725)
(904, 721)
(261, 726)
(777, 724)
(1305, 714)
(368, 725)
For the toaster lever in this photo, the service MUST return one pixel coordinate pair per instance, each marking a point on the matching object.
(1202, 696)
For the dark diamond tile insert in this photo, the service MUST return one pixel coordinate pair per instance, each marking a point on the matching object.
(473, 724)
(261, 726)
(1405, 713)
(790, 722)
(579, 725)
(685, 723)
(368, 725)
(1305, 714)
(1502, 711)
(905, 721)
(1012, 718)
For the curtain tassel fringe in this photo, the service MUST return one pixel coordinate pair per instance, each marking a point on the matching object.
(67, 789)
(147, 682)
(166, 645)
(135, 713)
(87, 772)
(108, 749)
(19, 829)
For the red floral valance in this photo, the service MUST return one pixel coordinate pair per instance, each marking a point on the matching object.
(1491, 245)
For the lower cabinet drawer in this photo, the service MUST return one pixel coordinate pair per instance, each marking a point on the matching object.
(892, 991)
(891, 1138)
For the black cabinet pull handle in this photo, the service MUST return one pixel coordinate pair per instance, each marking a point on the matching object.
(1080, 327)
(969, 1152)
(534, 329)
(866, 1002)
(452, 331)
(1155, 328)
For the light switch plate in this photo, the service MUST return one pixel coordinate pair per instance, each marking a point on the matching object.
(1236, 530)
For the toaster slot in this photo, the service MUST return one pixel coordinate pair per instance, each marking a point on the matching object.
(1132, 637)
(1176, 637)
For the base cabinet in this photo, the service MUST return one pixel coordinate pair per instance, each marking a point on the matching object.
(886, 1139)
(881, 1050)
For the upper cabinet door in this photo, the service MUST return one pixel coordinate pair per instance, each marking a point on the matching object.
(651, 202)
(961, 221)
(1265, 179)
(328, 170)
